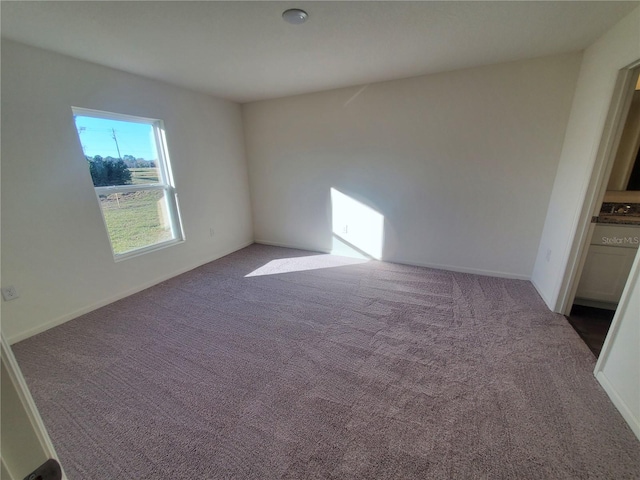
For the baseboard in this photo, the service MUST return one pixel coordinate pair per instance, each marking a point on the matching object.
(619, 403)
(291, 245)
(89, 308)
(544, 297)
(595, 303)
(455, 268)
(450, 268)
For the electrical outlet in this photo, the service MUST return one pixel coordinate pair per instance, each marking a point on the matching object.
(548, 255)
(9, 293)
(211, 232)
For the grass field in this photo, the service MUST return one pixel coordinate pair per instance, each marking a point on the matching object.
(144, 175)
(136, 219)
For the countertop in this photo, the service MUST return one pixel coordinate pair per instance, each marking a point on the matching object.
(619, 220)
(619, 213)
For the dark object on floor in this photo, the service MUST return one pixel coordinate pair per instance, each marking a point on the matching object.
(49, 470)
(592, 324)
(273, 363)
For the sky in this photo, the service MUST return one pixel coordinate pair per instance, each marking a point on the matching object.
(96, 137)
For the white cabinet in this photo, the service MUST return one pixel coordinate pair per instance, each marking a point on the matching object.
(608, 264)
(605, 273)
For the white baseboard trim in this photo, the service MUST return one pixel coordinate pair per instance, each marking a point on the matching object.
(291, 245)
(595, 303)
(455, 268)
(619, 403)
(89, 308)
(450, 268)
(545, 299)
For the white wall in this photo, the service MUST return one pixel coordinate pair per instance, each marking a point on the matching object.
(460, 164)
(618, 367)
(55, 249)
(602, 61)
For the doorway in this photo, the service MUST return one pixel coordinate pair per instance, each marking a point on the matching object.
(615, 238)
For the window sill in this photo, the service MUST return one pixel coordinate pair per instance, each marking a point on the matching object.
(144, 250)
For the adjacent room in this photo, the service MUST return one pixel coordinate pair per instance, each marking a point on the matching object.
(329, 240)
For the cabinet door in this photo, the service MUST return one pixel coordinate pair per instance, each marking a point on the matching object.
(605, 273)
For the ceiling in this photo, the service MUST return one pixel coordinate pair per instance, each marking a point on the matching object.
(244, 51)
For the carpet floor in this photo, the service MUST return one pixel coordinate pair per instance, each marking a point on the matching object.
(274, 363)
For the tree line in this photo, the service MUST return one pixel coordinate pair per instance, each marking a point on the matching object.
(108, 171)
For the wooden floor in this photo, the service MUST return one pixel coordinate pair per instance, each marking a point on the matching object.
(592, 324)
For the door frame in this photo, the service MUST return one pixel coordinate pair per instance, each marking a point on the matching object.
(610, 388)
(594, 196)
(28, 404)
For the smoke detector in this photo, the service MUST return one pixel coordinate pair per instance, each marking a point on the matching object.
(295, 16)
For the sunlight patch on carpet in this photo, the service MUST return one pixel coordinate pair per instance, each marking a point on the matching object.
(301, 264)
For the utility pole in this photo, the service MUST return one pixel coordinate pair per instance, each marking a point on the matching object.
(113, 131)
(80, 132)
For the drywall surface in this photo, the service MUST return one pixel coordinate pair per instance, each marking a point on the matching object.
(618, 368)
(601, 63)
(460, 164)
(55, 248)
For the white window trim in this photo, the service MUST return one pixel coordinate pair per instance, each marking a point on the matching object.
(165, 182)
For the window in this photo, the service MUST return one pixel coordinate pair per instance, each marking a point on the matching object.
(129, 165)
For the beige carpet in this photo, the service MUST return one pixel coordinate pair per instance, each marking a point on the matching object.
(273, 363)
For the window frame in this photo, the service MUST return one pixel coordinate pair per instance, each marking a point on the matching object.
(165, 180)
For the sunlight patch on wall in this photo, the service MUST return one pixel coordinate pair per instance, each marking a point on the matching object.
(301, 264)
(358, 230)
